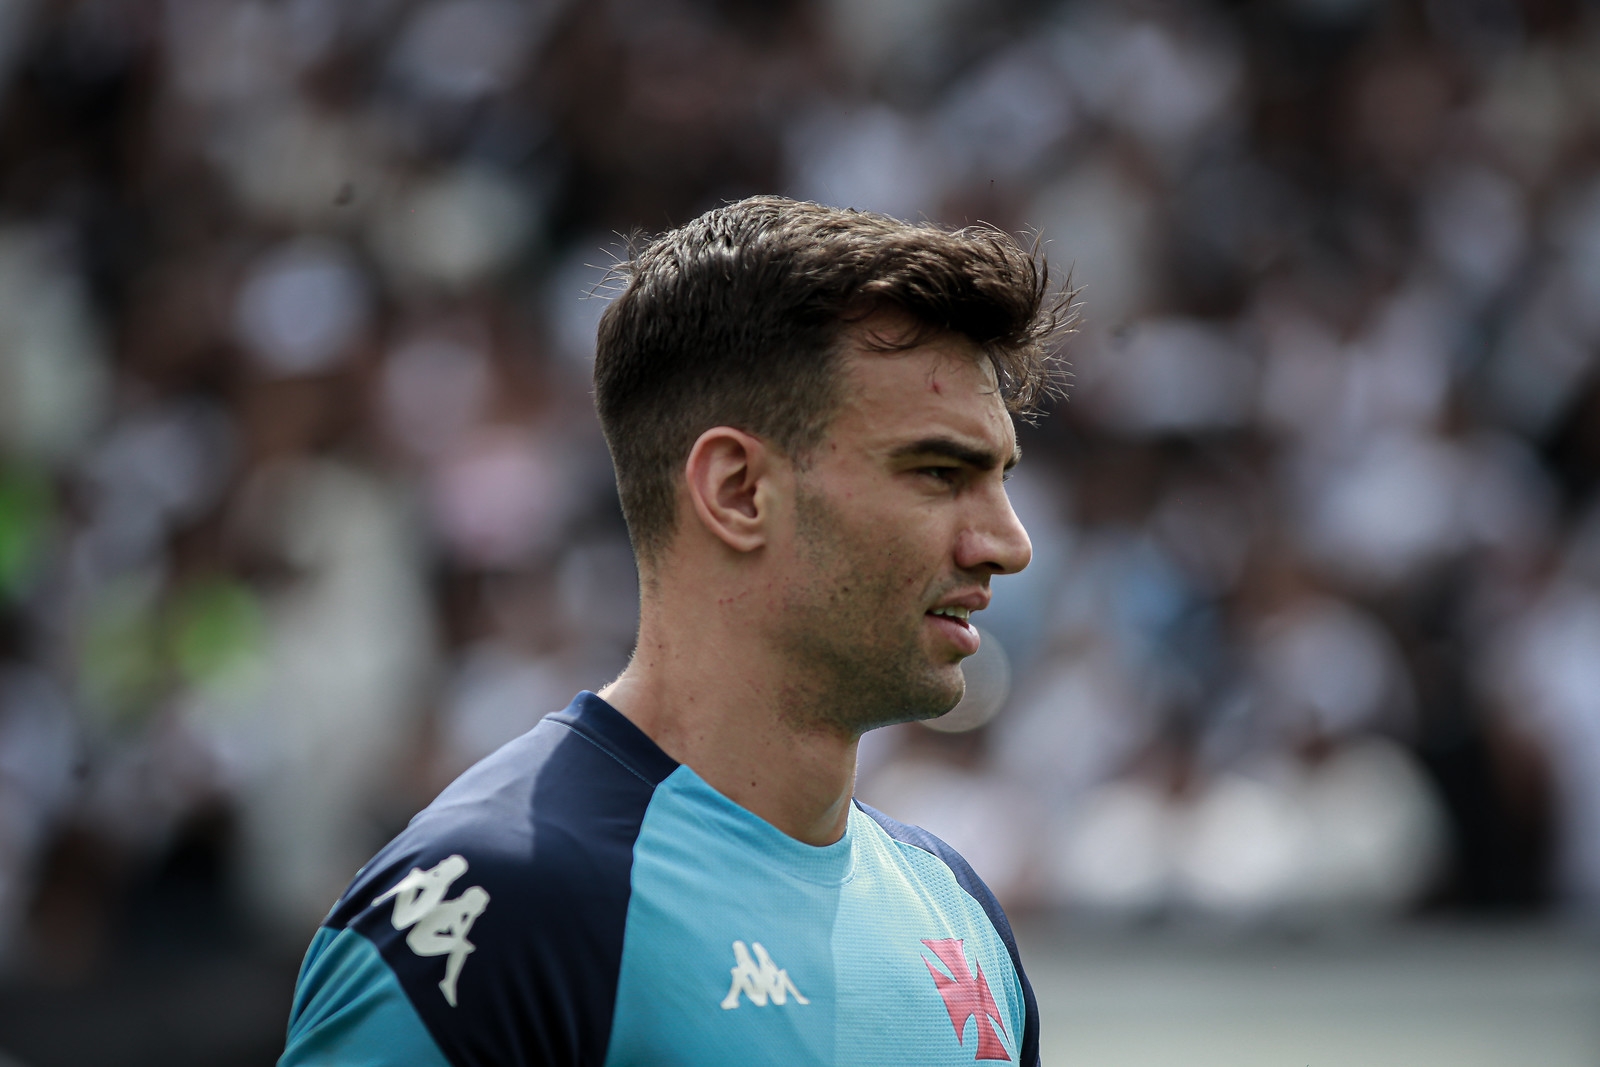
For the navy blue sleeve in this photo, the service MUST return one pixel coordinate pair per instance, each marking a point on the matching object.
(968, 879)
(500, 909)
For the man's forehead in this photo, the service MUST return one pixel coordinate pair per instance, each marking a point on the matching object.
(947, 386)
(941, 369)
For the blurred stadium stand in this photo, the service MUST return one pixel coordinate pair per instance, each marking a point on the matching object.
(303, 509)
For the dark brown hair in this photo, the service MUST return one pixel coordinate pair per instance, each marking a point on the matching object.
(734, 319)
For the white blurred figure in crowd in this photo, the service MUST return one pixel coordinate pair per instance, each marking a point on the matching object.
(313, 742)
(1326, 821)
(1544, 670)
(1340, 824)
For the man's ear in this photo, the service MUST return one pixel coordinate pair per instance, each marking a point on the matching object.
(729, 479)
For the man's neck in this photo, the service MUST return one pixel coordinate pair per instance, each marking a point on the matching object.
(738, 723)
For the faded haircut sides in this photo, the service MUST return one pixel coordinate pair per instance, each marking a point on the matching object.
(735, 318)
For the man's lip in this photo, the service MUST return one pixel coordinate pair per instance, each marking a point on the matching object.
(971, 601)
(959, 632)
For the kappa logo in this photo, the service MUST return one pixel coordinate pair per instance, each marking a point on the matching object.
(759, 979)
(438, 926)
(966, 994)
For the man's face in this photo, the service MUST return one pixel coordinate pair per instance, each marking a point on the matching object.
(901, 519)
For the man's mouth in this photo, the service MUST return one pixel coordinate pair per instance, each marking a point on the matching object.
(952, 622)
(959, 614)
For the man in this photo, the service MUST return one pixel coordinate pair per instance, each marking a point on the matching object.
(809, 411)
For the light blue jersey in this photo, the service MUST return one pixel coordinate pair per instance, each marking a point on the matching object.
(579, 898)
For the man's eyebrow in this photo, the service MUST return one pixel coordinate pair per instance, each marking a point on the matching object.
(981, 458)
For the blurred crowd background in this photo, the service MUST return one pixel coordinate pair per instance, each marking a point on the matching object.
(303, 506)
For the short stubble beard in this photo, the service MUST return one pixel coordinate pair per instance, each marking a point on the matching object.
(856, 671)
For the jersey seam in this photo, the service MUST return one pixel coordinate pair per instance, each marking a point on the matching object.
(618, 760)
(964, 891)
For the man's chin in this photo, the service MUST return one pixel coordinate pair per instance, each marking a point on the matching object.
(937, 697)
(867, 702)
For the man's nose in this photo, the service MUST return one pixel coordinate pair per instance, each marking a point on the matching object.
(997, 542)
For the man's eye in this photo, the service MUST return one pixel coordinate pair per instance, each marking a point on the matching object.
(943, 474)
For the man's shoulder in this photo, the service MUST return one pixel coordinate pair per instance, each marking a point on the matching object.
(495, 920)
(550, 814)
